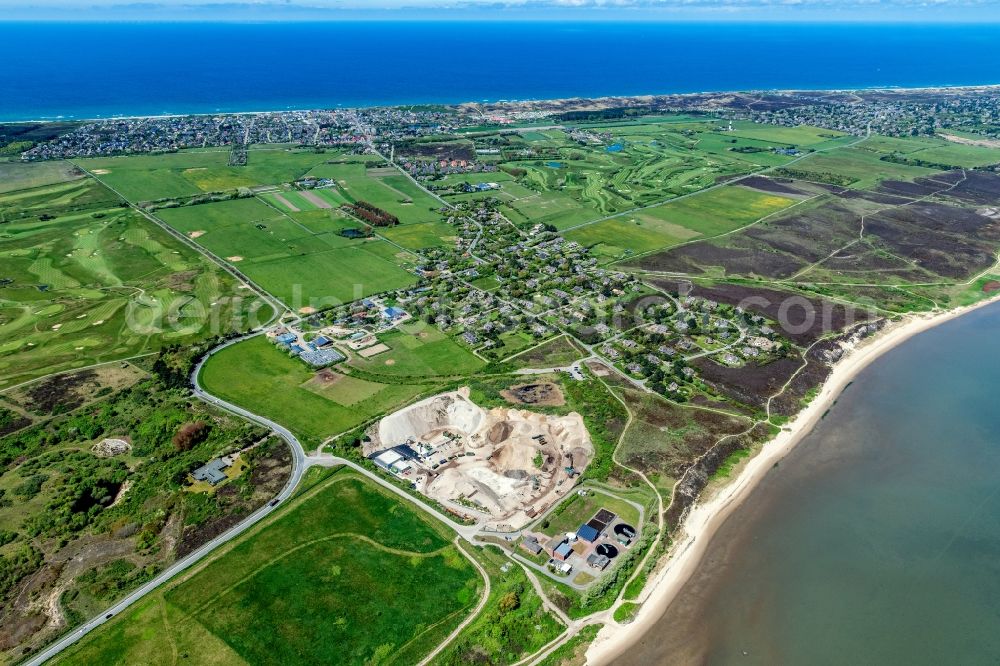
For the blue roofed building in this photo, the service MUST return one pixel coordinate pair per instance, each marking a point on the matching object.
(287, 338)
(321, 357)
(562, 551)
(588, 533)
(296, 349)
(322, 341)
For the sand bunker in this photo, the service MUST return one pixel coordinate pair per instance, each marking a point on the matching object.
(307, 310)
(502, 466)
(101, 172)
(234, 258)
(196, 234)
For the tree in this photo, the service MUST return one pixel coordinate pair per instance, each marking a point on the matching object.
(190, 434)
(509, 602)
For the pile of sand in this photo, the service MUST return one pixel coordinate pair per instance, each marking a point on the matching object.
(453, 411)
(510, 462)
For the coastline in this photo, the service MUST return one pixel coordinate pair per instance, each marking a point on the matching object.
(704, 519)
(978, 87)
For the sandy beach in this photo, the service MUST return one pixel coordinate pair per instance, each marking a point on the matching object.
(705, 518)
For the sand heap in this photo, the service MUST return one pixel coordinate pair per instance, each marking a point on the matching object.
(504, 465)
(427, 418)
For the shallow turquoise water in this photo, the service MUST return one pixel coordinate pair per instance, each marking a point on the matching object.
(877, 541)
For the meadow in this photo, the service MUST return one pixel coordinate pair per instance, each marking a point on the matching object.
(257, 376)
(20, 176)
(290, 590)
(87, 281)
(382, 187)
(801, 136)
(557, 352)
(504, 632)
(707, 213)
(853, 167)
(719, 210)
(420, 236)
(934, 150)
(189, 172)
(300, 265)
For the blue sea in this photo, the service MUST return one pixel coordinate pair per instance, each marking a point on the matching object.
(877, 539)
(87, 70)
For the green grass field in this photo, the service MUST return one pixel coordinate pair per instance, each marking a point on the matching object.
(256, 375)
(344, 574)
(421, 236)
(861, 168)
(622, 236)
(21, 176)
(95, 284)
(427, 353)
(555, 353)
(705, 214)
(293, 201)
(300, 257)
(385, 188)
(189, 172)
(332, 276)
(802, 136)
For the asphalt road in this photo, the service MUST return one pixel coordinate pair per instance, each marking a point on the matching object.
(299, 466)
(300, 463)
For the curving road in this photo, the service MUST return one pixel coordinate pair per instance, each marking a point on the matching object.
(300, 463)
(298, 469)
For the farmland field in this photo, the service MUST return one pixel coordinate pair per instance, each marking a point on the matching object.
(93, 282)
(621, 236)
(331, 277)
(801, 136)
(855, 168)
(720, 210)
(298, 263)
(420, 236)
(256, 375)
(290, 590)
(384, 188)
(185, 173)
(18, 176)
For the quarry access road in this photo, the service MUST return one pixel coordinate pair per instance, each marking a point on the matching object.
(300, 463)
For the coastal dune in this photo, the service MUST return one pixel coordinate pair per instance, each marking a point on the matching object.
(705, 518)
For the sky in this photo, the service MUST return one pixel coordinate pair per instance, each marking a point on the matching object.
(929, 11)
